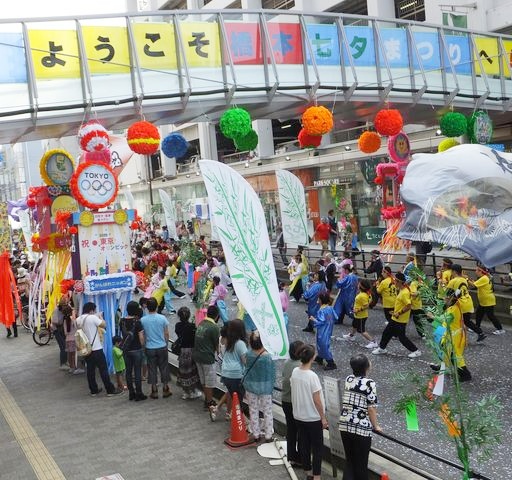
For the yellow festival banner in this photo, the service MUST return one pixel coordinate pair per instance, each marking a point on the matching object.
(107, 49)
(155, 45)
(201, 43)
(55, 53)
(487, 50)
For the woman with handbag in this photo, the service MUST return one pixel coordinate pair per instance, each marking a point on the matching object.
(188, 378)
(259, 382)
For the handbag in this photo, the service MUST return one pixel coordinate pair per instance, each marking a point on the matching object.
(176, 347)
(83, 345)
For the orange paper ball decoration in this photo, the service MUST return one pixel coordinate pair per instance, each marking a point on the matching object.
(369, 142)
(143, 138)
(308, 141)
(317, 121)
(388, 122)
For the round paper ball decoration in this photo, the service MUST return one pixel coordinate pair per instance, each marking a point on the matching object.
(174, 145)
(308, 141)
(388, 122)
(369, 142)
(453, 124)
(93, 137)
(480, 127)
(235, 123)
(317, 121)
(247, 142)
(101, 156)
(143, 138)
(446, 144)
(73, 230)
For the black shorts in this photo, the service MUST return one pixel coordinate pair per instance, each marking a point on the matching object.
(359, 324)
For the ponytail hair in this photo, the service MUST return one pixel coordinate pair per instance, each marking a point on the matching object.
(306, 354)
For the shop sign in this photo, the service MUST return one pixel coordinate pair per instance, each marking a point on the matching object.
(333, 181)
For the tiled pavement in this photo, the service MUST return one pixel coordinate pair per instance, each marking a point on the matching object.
(91, 437)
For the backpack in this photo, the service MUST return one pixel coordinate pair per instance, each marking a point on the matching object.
(83, 345)
(127, 335)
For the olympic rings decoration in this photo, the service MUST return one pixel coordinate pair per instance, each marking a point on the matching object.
(94, 185)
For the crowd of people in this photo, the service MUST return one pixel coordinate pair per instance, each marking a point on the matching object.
(332, 291)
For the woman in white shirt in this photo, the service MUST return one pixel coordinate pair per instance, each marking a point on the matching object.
(309, 412)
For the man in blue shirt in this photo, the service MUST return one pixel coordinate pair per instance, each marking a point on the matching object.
(156, 337)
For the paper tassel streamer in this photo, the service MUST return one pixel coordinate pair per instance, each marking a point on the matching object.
(8, 290)
(411, 417)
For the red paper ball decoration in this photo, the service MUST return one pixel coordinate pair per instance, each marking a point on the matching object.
(31, 202)
(143, 138)
(73, 230)
(308, 141)
(388, 122)
(317, 121)
(46, 201)
(378, 181)
(369, 142)
(93, 137)
(134, 225)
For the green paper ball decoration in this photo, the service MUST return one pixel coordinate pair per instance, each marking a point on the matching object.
(247, 142)
(453, 124)
(480, 128)
(235, 123)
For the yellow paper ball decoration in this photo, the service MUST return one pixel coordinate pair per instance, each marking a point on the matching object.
(446, 144)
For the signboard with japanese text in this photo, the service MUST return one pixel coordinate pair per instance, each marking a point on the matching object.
(55, 53)
(104, 242)
(5, 231)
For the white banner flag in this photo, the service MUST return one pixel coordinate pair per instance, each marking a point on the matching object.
(170, 213)
(130, 200)
(292, 201)
(240, 221)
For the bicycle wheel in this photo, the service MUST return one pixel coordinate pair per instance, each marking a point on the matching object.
(25, 318)
(42, 336)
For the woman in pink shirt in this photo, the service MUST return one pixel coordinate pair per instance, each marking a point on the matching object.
(285, 302)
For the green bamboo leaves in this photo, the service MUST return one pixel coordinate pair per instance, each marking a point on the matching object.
(241, 225)
(292, 202)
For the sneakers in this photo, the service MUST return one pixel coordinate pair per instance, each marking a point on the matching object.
(117, 391)
(330, 366)
(435, 367)
(153, 394)
(64, 366)
(414, 354)
(166, 392)
(186, 396)
(95, 394)
(371, 345)
(78, 371)
(349, 336)
(212, 410)
(379, 351)
(139, 397)
(308, 329)
(196, 394)
(481, 337)
(499, 332)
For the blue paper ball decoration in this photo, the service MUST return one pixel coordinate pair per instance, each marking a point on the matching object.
(174, 145)
(235, 123)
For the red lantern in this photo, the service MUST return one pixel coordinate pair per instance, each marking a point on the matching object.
(143, 138)
(308, 141)
(73, 230)
(388, 122)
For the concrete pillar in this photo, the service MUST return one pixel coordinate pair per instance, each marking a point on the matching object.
(207, 140)
(265, 137)
(251, 4)
(195, 4)
(326, 140)
(382, 8)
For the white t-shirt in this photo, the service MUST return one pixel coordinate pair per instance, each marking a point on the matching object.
(304, 384)
(90, 324)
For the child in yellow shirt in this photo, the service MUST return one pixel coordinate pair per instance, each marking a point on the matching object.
(387, 290)
(360, 309)
(486, 299)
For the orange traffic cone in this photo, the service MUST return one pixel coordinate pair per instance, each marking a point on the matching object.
(384, 476)
(239, 436)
